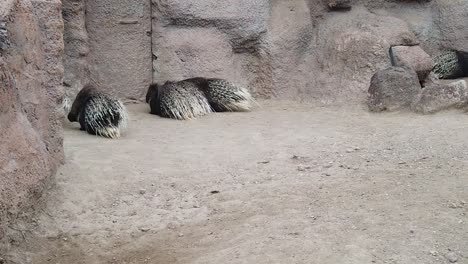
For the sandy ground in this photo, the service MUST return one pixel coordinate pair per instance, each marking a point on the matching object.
(283, 184)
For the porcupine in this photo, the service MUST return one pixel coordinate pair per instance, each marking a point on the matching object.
(178, 100)
(223, 95)
(451, 64)
(98, 113)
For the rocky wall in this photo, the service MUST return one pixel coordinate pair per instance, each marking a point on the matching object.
(311, 50)
(31, 93)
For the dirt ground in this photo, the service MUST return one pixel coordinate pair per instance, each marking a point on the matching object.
(286, 183)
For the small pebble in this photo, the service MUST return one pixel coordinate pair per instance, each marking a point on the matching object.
(451, 257)
(181, 235)
(142, 191)
(214, 192)
(144, 229)
(434, 253)
(296, 157)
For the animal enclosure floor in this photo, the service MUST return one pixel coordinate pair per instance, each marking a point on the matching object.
(286, 183)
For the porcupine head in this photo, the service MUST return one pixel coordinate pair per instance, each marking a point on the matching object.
(81, 98)
(152, 92)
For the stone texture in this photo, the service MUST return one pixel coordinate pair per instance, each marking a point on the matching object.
(30, 91)
(76, 47)
(439, 97)
(451, 19)
(413, 57)
(273, 47)
(119, 33)
(290, 49)
(394, 88)
(348, 58)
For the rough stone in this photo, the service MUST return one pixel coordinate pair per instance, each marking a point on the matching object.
(119, 58)
(439, 97)
(319, 61)
(290, 49)
(451, 20)
(413, 57)
(394, 88)
(451, 257)
(278, 49)
(30, 91)
(76, 47)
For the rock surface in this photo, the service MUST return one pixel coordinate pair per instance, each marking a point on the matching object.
(394, 88)
(439, 97)
(451, 19)
(279, 49)
(119, 34)
(413, 57)
(30, 91)
(76, 41)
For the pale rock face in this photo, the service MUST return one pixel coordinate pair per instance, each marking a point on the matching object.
(451, 19)
(413, 57)
(295, 50)
(442, 96)
(31, 92)
(392, 89)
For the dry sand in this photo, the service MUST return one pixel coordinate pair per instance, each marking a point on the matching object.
(283, 184)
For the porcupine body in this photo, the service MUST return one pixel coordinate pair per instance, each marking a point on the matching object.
(180, 100)
(451, 64)
(99, 113)
(225, 96)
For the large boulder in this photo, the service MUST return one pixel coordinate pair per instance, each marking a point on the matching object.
(31, 75)
(394, 88)
(331, 60)
(442, 96)
(413, 57)
(451, 19)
